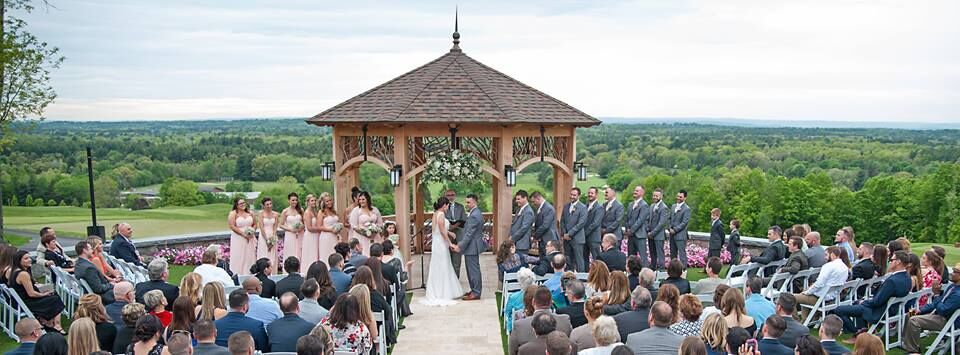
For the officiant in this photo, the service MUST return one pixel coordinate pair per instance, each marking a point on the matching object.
(457, 217)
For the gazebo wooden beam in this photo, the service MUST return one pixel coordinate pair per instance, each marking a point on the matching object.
(465, 130)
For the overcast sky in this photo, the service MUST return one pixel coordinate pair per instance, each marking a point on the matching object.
(869, 60)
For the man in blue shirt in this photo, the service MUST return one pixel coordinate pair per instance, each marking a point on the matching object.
(843, 240)
(262, 309)
(28, 330)
(758, 307)
(554, 283)
(237, 321)
(341, 281)
(933, 315)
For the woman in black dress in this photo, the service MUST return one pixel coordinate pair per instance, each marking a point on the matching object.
(327, 293)
(262, 269)
(46, 306)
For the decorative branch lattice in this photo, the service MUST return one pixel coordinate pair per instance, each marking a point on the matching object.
(420, 149)
(380, 147)
(526, 148)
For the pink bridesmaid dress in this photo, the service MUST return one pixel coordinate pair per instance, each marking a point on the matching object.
(291, 241)
(243, 251)
(328, 240)
(310, 246)
(358, 219)
(268, 229)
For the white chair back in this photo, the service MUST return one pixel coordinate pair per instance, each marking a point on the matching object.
(382, 333)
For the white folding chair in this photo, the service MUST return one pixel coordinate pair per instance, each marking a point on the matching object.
(706, 299)
(345, 352)
(583, 276)
(85, 286)
(898, 306)
(242, 278)
(949, 334)
(737, 274)
(510, 284)
(804, 277)
(778, 284)
(13, 309)
(382, 333)
(228, 289)
(842, 294)
(773, 265)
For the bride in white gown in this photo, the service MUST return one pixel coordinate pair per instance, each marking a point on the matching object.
(443, 286)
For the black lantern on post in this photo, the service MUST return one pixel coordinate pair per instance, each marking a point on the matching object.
(395, 175)
(581, 171)
(327, 170)
(510, 174)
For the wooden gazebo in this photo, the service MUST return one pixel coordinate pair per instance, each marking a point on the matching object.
(452, 102)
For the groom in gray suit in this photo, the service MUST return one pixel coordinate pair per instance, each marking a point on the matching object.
(455, 214)
(544, 223)
(471, 245)
(659, 218)
(521, 228)
(572, 224)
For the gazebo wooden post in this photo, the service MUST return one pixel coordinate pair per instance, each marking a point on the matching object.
(562, 181)
(401, 195)
(418, 213)
(343, 179)
(504, 208)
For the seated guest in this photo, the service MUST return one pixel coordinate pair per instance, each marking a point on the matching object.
(206, 333)
(356, 258)
(293, 281)
(675, 277)
(349, 331)
(605, 335)
(582, 336)
(575, 298)
(46, 306)
(284, 332)
(808, 345)
(362, 293)
(543, 324)
(237, 321)
(647, 277)
(326, 292)
(611, 255)
(830, 329)
(341, 281)
(53, 253)
(717, 299)
(671, 296)
(833, 273)
(736, 338)
(508, 261)
(714, 334)
(222, 264)
(241, 343)
(933, 264)
(100, 261)
(132, 313)
(735, 313)
(756, 305)
(82, 337)
(343, 249)
(864, 268)
(156, 304)
(28, 330)
(690, 323)
(387, 272)
(312, 345)
(262, 269)
(868, 344)
(523, 331)
(526, 278)
(933, 315)
(558, 264)
(53, 343)
(897, 284)
(692, 345)
(707, 285)
(183, 318)
(190, 286)
(786, 306)
(618, 298)
(638, 318)
(209, 271)
(122, 247)
(816, 254)
(311, 310)
(91, 307)
(795, 263)
(180, 344)
(86, 271)
(598, 278)
(159, 274)
(773, 329)
(146, 337)
(378, 302)
(544, 266)
(559, 344)
(942, 253)
(658, 339)
(262, 309)
(634, 266)
(775, 251)
(214, 305)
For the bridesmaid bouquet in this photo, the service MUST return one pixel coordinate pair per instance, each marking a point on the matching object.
(337, 227)
(370, 229)
(297, 226)
(249, 231)
(271, 241)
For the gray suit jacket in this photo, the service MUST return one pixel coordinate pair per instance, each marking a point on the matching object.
(794, 331)
(523, 331)
(573, 224)
(521, 228)
(654, 341)
(637, 219)
(85, 270)
(456, 213)
(612, 218)
(594, 219)
(679, 222)
(472, 241)
(545, 225)
(659, 218)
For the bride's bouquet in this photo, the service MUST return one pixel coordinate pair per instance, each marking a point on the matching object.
(370, 229)
(337, 227)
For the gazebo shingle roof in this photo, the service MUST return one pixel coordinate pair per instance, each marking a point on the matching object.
(454, 88)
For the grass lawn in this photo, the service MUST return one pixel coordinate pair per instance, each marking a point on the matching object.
(15, 240)
(72, 221)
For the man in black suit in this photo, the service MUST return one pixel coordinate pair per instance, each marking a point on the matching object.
(716, 234)
(158, 272)
(293, 281)
(284, 332)
(865, 267)
(733, 245)
(611, 255)
(773, 329)
(86, 271)
(637, 319)
(775, 251)
(786, 305)
(575, 293)
(544, 267)
(122, 248)
(829, 331)
(28, 330)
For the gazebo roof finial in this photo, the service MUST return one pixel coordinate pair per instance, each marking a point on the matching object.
(456, 31)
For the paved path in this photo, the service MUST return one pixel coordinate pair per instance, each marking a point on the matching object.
(468, 327)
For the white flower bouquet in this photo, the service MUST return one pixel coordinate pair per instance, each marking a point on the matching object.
(271, 241)
(454, 165)
(394, 238)
(249, 232)
(337, 227)
(370, 229)
(297, 226)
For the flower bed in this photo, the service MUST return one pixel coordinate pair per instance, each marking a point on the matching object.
(696, 255)
(193, 255)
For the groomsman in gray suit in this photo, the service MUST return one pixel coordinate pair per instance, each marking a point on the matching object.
(678, 228)
(471, 246)
(545, 222)
(612, 216)
(456, 216)
(659, 218)
(522, 226)
(638, 214)
(594, 219)
(572, 221)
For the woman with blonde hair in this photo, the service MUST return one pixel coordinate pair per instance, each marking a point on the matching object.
(362, 293)
(190, 286)
(99, 260)
(329, 236)
(82, 338)
(214, 305)
(735, 312)
(713, 332)
(91, 306)
(670, 295)
(605, 335)
(310, 247)
(582, 336)
(598, 279)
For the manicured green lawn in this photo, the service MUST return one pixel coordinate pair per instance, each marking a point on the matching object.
(15, 240)
(72, 221)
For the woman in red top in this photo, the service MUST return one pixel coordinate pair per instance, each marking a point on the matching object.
(157, 304)
(931, 262)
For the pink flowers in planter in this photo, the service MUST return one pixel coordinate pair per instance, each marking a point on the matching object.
(696, 255)
(187, 256)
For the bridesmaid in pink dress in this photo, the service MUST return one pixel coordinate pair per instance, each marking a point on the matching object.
(243, 243)
(268, 230)
(328, 235)
(311, 238)
(361, 215)
(292, 218)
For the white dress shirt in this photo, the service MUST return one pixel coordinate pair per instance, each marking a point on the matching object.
(210, 273)
(831, 274)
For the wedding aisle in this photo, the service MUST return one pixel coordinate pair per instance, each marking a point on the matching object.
(468, 327)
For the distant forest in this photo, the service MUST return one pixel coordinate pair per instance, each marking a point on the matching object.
(884, 182)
